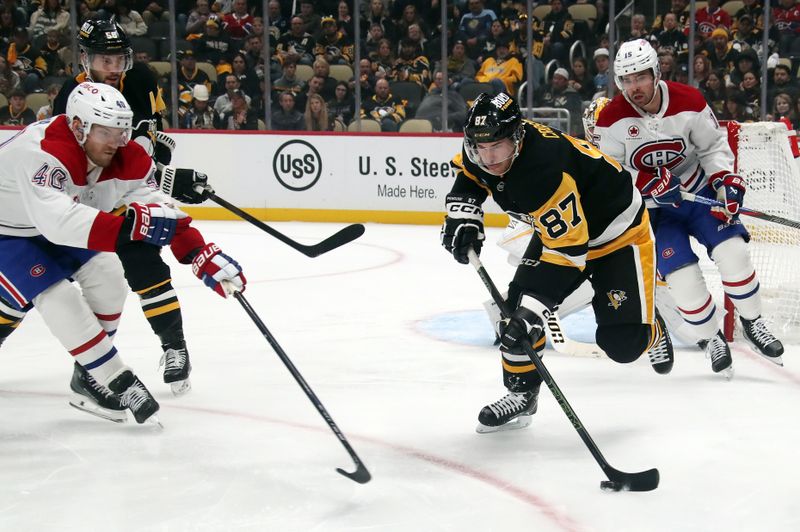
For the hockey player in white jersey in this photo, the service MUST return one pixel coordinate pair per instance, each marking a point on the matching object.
(670, 141)
(60, 179)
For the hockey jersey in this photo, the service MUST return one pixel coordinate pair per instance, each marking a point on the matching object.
(47, 187)
(579, 201)
(683, 136)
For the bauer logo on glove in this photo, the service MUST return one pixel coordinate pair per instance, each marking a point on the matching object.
(217, 269)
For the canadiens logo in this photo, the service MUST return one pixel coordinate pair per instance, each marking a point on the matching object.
(615, 298)
(633, 131)
(668, 153)
(667, 253)
(38, 270)
(501, 186)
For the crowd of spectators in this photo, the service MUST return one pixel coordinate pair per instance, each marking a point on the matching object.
(222, 69)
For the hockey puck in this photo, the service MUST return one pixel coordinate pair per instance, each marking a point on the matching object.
(610, 485)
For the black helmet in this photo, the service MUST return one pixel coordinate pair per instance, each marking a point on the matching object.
(104, 36)
(492, 118)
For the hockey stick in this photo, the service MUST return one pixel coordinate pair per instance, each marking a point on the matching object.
(360, 475)
(742, 210)
(617, 480)
(344, 236)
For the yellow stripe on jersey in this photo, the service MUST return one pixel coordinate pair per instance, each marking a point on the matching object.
(635, 235)
(162, 283)
(562, 224)
(459, 162)
(157, 311)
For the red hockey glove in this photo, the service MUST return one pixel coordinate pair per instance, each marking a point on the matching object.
(663, 187)
(213, 267)
(730, 192)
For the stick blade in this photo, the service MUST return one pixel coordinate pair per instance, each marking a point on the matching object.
(360, 475)
(641, 481)
(340, 238)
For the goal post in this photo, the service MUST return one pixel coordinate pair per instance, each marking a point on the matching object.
(766, 158)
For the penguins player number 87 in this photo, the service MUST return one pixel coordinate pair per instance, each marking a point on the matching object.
(553, 220)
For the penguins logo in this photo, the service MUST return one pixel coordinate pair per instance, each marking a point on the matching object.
(616, 297)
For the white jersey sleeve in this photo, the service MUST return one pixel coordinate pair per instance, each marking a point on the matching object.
(683, 136)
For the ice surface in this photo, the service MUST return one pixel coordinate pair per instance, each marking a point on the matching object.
(388, 333)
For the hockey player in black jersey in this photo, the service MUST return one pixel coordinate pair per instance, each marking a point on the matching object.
(106, 56)
(590, 223)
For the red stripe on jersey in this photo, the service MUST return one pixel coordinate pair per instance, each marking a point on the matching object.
(88, 345)
(697, 311)
(104, 232)
(684, 98)
(59, 141)
(12, 290)
(108, 317)
(740, 283)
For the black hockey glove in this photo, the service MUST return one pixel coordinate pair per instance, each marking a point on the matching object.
(524, 325)
(184, 184)
(463, 226)
(163, 148)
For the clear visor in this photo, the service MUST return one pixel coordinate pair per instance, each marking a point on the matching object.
(115, 136)
(110, 63)
(490, 154)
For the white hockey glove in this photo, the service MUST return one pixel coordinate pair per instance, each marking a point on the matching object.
(184, 184)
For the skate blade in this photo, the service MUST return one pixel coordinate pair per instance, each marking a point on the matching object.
(154, 422)
(515, 424)
(778, 360)
(180, 387)
(727, 372)
(81, 403)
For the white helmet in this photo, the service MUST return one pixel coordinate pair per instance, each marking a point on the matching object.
(98, 103)
(590, 116)
(635, 56)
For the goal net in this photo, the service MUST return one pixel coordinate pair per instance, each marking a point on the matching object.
(765, 159)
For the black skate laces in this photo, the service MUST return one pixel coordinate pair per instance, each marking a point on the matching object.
(509, 404)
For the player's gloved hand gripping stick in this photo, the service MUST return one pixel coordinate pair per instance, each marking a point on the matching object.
(617, 480)
(192, 187)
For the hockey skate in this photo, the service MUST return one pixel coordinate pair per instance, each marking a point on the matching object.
(661, 354)
(177, 368)
(93, 398)
(134, 396)
(720, 354)
(765, 344)
(512, 412)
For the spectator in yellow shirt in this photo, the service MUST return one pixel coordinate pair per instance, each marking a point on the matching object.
(503, 71)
